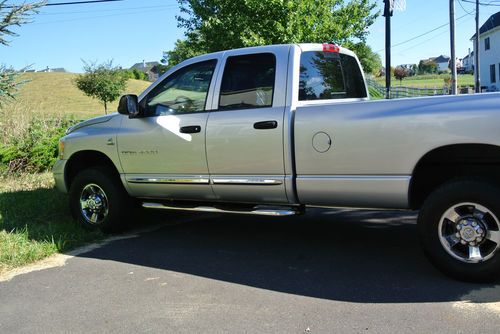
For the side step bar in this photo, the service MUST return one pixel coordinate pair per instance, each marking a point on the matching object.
(256, 210)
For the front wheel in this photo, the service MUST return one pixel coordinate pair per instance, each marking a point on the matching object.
(99, 200)
(459, 229)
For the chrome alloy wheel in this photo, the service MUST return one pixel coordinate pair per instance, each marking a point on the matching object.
(470, 232)
(94, 204)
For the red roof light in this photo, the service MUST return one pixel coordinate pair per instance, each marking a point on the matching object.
(331, 48)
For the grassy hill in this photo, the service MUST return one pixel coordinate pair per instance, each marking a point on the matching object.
(55, 94)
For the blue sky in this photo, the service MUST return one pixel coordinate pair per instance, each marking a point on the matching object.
(132, 30)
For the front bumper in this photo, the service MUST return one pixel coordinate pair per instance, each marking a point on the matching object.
(58, 172)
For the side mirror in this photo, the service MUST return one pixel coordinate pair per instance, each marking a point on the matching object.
(129, 105)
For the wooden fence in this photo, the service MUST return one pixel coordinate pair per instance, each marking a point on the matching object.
(398, 92)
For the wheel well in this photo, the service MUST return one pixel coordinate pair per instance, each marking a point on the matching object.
(445, 163)
(83, 160)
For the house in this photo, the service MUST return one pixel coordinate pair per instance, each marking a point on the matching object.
(489, 53)
(468, 62)
(57, 69)
(149, 68)
(442, 62)
(410, 68)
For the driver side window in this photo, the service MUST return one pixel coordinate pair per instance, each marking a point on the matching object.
(184, 91)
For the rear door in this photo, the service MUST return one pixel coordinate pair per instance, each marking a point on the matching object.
(245, 128)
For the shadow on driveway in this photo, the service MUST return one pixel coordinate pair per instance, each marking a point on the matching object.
(345, 255)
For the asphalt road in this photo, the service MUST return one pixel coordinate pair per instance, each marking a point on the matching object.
(337, 271)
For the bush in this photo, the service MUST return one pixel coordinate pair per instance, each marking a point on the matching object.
(135, 74)
(36, 149)
(400, 73)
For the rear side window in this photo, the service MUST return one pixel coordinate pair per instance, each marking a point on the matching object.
(248, 82)
(327, 75)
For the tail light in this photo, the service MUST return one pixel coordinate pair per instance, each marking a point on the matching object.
(331, 48)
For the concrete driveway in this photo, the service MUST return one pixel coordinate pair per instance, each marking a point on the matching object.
(329, 271)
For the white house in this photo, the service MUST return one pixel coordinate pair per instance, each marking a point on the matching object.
(468, 62)
(489, 53)
(442, 63)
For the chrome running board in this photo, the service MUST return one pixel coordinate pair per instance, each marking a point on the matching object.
(256, 210)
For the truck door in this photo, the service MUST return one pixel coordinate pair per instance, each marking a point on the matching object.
(245, 127)
(163, 154)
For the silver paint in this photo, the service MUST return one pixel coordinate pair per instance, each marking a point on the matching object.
(375, 144)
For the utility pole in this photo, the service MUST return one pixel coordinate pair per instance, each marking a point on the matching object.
(476, 51)
(387, 14)
(452, 47)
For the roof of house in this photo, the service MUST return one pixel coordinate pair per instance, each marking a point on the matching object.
(441, 59)
(491, 23)
(467, 55)
(149, 65)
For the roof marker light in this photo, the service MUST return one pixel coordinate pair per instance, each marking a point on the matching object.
(331, 48)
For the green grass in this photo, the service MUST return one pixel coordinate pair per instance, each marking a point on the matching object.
(428, 81)
(56, 94)
(34, 217)
(35, 221)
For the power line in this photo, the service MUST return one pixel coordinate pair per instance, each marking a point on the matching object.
(103, 16)
(421, 35)
(431, 38)
(463, 8)
(79, 2)
(108, 10)
(68, 3)
(491, 3)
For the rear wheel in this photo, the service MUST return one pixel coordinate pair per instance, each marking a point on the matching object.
(99, 200)
(459, 229)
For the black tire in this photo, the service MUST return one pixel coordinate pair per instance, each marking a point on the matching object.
(115, 208)
(443, 238)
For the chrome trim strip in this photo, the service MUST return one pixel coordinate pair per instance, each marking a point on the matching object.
(248, 182)
(260, 212)
(168, 180)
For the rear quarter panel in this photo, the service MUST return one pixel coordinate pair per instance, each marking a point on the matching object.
(375, 145)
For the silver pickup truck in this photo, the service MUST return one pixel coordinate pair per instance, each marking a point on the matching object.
(272, 130)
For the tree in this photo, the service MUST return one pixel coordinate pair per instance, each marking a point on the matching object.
(12, 15)
(15, 15)
(104, 82)
(400, 73)
(215, 25)
(8, 83)
(414, 70)
(183, 49)
(427, 67)
(370, 60)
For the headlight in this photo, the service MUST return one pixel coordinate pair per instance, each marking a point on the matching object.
(61, 149)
